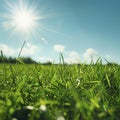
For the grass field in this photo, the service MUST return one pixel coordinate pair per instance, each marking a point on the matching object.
(59, 92)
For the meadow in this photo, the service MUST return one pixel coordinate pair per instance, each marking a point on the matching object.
(59, 92)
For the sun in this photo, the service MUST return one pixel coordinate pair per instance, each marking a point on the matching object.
(24, 20)
(22, 17)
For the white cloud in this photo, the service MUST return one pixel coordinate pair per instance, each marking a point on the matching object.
(7, 50)
(74, 54)
(90, 52)
(73, 57)
(44, 59)
(59, 48)
(29, 49)
(71, 61)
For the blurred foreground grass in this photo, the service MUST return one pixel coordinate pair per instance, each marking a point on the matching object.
(59, 92)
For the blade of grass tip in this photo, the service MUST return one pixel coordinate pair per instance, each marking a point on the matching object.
(21, 49)
(99, 61)
(2, 56)
(92, 61)
(61, 58)
(3, 64)
(21, 52)
(107, 61)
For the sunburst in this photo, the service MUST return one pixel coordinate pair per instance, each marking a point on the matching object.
(21, 17)
(24, 20)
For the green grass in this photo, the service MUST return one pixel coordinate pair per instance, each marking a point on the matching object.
(59, 92)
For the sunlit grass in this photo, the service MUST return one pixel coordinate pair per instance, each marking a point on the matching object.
(72, 92)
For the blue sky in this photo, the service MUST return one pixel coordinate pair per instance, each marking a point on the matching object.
(77, 28)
